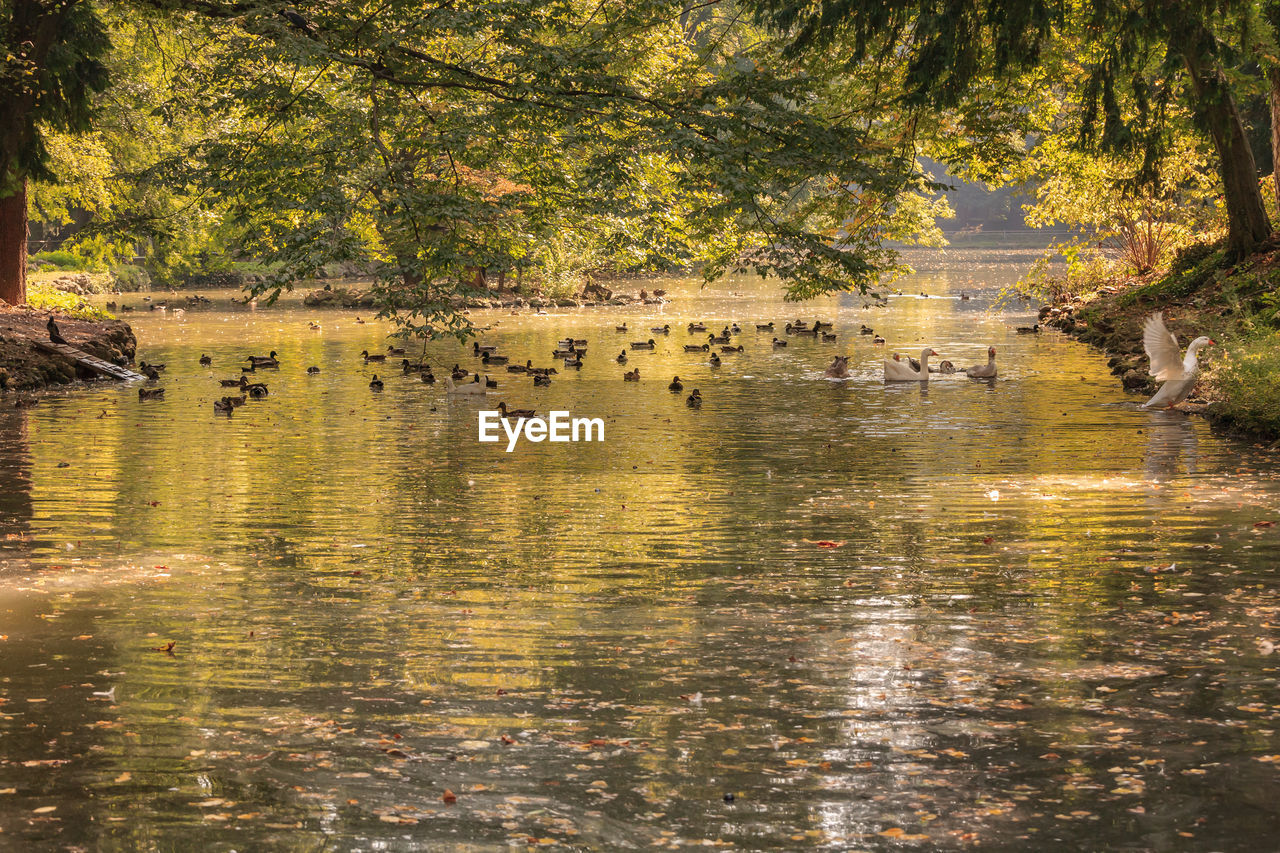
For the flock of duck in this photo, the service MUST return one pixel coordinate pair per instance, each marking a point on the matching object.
(1167, 363)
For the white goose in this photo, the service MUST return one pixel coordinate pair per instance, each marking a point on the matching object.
(1168, 365)
(467, 388)
(902, 371)
(984, 371)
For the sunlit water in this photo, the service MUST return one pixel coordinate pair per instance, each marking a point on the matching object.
(1045, 623)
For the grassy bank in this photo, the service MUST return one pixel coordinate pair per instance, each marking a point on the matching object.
(1237, 305)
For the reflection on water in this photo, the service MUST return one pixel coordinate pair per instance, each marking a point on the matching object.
(1021, 613)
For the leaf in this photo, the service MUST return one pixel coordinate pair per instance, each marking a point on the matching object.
(449, 796)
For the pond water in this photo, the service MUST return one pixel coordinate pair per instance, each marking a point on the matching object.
(1023, 614)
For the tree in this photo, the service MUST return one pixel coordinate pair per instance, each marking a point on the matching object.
(1148, 51)
(49, 68)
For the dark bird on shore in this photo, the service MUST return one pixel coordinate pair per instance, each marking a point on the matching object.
(150, 393)
(375, 383)
(206, 360)
(54, 335)
(676, 385)
(298, 22)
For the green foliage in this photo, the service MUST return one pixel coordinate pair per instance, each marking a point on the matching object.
(57, 260)
(1244, 376)
(45, 297)
(130, 278)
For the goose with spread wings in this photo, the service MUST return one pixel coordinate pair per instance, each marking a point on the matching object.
(1168, 364)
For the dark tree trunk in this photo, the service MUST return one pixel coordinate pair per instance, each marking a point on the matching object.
(1273, 77)
(1247, 223)
(13, 246)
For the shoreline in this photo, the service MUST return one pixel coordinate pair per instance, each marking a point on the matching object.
(23, 367)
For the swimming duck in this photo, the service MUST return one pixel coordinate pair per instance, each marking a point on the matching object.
(719, 339)
(235, 402)
(984, 371)
(738, 348)
(313, 326)
(663, 330)
(489, 358)
(764, 327)
(631, 375)
(541, 379)
(223, 407)
(264, 360)
(1029, 330)
(150, 393)
(778, 343)
(643, 345)
(838, 368)
(479, 350)
(576, 361)
(877, 340)
(459, 374)
(896, 370)
(866, 330)
(467, 388)
(946, 368)
(696, 348)
(232, 383)
(621, 328)
(820, 324)
(694, 400)
(715, 360)
(490, 383)
(428, 377)
(697, 327)
(829, 337)
(394, 350)
(257, 390)
(622, 357)
(206, 360)
(736, 330)
(676, 384)
(375, 383)
(520, 368)
(514, 413)
(359, 321)
(368, 358)
(149, 371)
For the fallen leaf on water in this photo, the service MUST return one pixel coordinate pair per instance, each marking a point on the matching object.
(44, 810)
(449, 796)
(1264, 524)
(827, 543)
(124, 777)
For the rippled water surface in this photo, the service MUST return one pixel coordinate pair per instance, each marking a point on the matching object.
(1013, 615)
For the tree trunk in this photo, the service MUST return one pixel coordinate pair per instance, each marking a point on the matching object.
(13, 246)
(1247, 223)
(1273, 77)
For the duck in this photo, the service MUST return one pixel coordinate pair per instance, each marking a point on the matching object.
(696, 348)
(459, 374)
(394, 350)
(467, 388)
(377, 357)
(697, 327)
(205, 360)
(736, 329)
(662, 330)
(838, 368)
(676, 384)
(877, 340)
(643, 344)
(764, 327)
(622, 357)
(738, 348)
(520, 368)
(232, 383)
(375, 384)
(694, 400)
(514, 413)
(778, 343)
(563, 351)
(489, 358)
(235, 402)
(621, 328)
(541, 379)
(866, 330)
(1168, 365)
(896, 370)
(428, 378)
(811, 332)
(829, 337)
(359, 322)
(313, 326)
(964, 297)
(479, 350)
(223, 407)
(984, 371)
(150, 393)
(576, 361)
(257, 390)
(490, 383)
(715, 360)
(1029, 330)
(719, 339)
(149, 371)
(631, 375)
(945, 367)
(264, 360)
(818, 325)
(142, 365)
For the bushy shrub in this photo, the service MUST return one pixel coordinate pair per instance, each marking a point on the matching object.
(59, 259)
(1244, 376)
(130, 279)
(45, 297)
